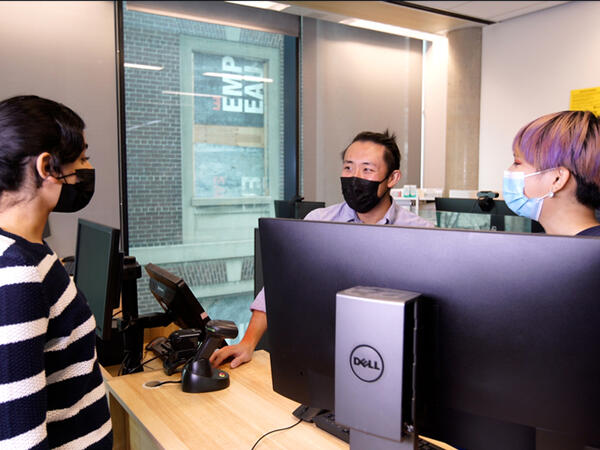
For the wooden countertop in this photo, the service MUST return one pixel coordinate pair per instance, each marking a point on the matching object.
(233, 418)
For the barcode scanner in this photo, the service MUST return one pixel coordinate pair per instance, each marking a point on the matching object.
(198, 375)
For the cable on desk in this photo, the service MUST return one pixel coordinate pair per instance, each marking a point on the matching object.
(144, 363)
(135, 368)
(273, 431)
(123, 364)
(153, 384)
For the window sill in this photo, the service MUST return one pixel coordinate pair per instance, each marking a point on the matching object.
(231, 201)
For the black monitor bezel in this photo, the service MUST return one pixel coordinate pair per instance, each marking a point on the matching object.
(295, 208)
(473, 206)
(301, 209)
(184, 307)
(113, 282)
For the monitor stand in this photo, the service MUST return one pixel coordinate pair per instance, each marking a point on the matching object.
(364, 441)
(110, 351)
(131, 326)
(374, 384)
(307, 413)
(325, 420)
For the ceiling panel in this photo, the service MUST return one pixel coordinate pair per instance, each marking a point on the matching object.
(402, 14)
(383, 12)
(444, 6)
(538, 6)
(490, 10)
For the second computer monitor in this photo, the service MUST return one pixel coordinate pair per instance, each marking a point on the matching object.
(98, 271)
(295, 209)
(485, 214)
(516, 340)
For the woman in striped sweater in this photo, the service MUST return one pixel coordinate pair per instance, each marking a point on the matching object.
(51, 389)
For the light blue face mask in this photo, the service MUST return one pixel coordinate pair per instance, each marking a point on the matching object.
(515, 198)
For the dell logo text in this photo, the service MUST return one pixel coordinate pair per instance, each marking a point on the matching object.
(366, 363)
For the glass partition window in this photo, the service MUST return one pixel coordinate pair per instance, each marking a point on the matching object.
(229, 120)
(204, 119)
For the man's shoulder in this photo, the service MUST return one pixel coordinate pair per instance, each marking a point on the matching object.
(403, 217)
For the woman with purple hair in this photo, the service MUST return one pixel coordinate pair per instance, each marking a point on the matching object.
(555, 176)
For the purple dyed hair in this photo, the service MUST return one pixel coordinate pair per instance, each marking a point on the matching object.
(568, 138)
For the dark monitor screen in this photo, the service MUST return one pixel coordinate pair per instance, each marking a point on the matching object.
(471, 213)
(295, 209)
(471, 205)
(516, 337)
(98, 271)
(176, 298)
(301, 209)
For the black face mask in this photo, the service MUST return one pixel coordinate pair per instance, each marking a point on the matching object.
(361, 194)
(74, 197)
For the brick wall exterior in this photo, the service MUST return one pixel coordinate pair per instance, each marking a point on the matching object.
(153, 134)
(153, 143)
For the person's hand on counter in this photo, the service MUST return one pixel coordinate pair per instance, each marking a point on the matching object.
(242, 352)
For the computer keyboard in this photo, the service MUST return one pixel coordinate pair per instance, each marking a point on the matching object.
(424, 445)
(326, 421)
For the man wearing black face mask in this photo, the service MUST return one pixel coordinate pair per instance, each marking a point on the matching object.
(371, 167)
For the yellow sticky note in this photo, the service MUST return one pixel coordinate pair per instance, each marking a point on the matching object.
(586, 100)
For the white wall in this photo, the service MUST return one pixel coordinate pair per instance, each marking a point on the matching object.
(353, 80)
(65, 51)
(435, 87)
(529, 66)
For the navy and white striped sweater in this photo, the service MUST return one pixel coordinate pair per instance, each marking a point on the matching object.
(51, 389)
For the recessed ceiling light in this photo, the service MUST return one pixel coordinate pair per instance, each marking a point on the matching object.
(274, 6)
(392, 29)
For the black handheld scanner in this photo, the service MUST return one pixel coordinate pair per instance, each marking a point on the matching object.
(216, 331)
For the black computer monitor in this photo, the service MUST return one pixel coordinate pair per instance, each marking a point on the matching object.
(296, 208)
(496, 211)
(98, 271)
(473, 205)
(176, 298)
(301, 209)
(516, 337)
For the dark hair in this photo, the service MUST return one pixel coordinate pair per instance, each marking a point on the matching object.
(31, 125)
(587, 193)
(391, 156)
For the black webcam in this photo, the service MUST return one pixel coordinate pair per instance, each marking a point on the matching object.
(485, 199)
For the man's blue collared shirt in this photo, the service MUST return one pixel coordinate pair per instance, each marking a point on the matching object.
(341, 212)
